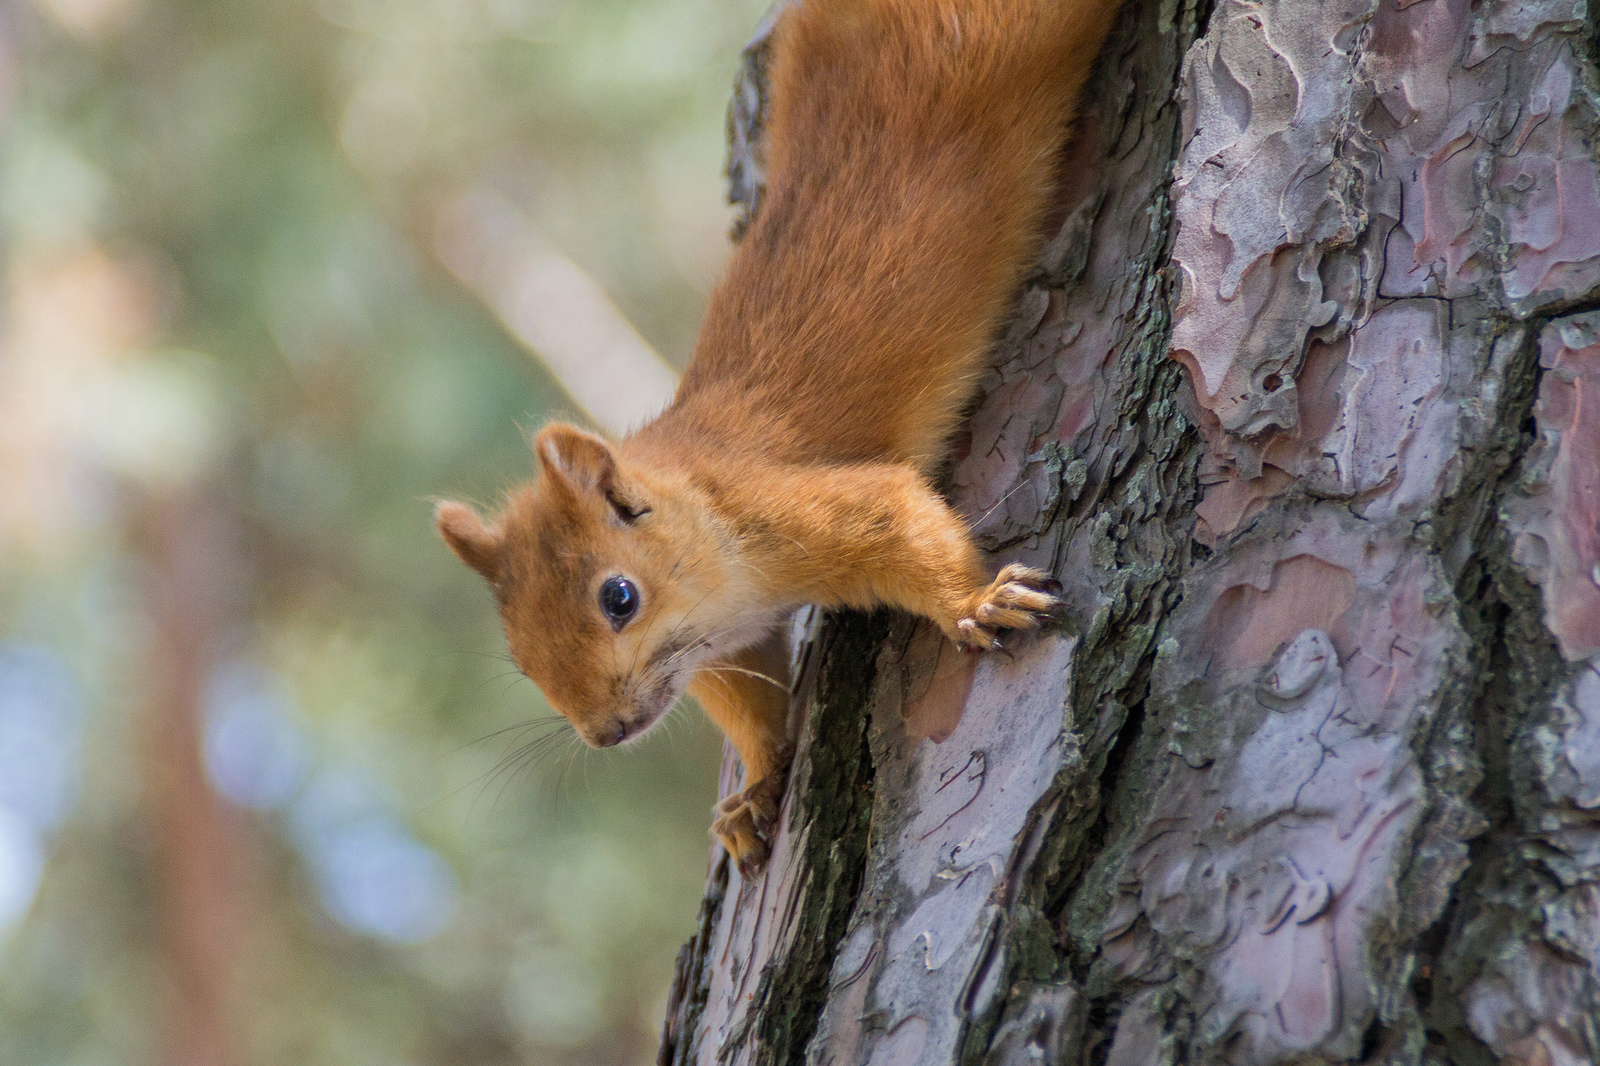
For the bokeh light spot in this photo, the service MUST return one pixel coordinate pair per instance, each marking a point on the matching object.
(255, 753)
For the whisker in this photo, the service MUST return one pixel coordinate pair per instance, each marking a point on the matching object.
(519, 756)
(562, 777)
(528, 756)
(1014, 490)
(687, 615)
(487, 777)
(725, 667)
(644, 638)
(548, 720)
(499, 656)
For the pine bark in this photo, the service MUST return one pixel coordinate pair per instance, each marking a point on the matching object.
(1294, 404)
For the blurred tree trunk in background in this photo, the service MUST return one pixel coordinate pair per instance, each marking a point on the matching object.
(1295, 405)
(197, 868)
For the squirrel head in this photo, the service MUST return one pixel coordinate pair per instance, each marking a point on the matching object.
(612, 582)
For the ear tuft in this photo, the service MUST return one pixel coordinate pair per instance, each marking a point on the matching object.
(474, 543)
(582, 460)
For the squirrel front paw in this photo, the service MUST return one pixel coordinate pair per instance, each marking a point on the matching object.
(1020, 598)
(747, 821)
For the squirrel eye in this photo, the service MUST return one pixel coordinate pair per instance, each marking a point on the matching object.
(619, 600)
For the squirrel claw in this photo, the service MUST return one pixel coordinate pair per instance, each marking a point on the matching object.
(747, 823)
(1019, 598)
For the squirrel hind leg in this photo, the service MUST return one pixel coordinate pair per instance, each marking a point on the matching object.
(747, 696)
(747, 823)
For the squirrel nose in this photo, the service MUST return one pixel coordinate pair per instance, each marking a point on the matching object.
(615, 733)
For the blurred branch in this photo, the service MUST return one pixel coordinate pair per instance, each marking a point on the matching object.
(556, 310)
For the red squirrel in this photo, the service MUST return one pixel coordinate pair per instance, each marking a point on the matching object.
(913, 146)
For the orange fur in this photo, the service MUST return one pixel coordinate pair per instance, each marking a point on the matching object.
(912, 151)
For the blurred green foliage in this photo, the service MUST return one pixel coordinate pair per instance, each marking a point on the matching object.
(223, 297)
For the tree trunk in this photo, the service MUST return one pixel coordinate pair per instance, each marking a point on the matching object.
(198, 878)
(1295, 406)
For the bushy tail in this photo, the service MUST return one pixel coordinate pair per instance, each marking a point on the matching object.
(912, 148)
(928, 68)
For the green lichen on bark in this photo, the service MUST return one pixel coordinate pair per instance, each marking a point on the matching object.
(833, 797)
(1465, 754)
(1501, 905)
(1132, 503)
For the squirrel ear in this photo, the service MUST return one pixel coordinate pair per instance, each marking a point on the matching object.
(580, 459)
(474, 543)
